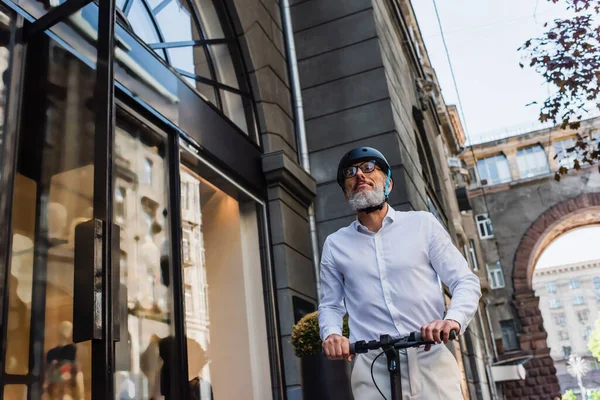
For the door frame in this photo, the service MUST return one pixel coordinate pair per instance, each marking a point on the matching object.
(8, 160)
(23, 32)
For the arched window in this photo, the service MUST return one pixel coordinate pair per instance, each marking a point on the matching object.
(196, 39)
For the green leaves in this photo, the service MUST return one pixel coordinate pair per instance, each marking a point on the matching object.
(569, 395)
(593, 343)
(306, 339)
(567, 56)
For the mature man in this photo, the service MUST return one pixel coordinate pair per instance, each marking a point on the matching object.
(383, 270)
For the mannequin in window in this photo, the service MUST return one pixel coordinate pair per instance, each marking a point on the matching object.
(64, 380)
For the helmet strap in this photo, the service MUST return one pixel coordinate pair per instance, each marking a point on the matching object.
(387, 183)
(371, 209)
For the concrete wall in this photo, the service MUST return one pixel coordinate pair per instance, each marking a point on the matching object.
(358, 89)
(259, 26)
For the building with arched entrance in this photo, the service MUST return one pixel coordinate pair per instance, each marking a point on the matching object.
(519, 209)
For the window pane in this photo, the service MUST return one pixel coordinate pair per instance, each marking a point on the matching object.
(193, 60)
(226, 282)
(155, 3)
(209, 19)
(176, 23)
(234, 107)
(503, 169)
(49, 206)
(146, 293)
(226, 72)
(16, 392)
(500, 277)
(142, 23)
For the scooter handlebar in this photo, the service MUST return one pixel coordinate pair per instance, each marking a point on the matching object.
(414, 338)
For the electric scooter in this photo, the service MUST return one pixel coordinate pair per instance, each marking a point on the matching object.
(390, 347)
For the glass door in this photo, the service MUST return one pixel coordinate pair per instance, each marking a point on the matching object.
(145, 364)
(51, 284)
(54, 336)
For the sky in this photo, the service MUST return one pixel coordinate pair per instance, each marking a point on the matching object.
(582, 245)
(482, 38)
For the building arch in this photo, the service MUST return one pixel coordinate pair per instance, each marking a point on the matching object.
(570, 214)
(565, 216)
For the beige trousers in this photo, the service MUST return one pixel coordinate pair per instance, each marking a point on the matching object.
(431, 375)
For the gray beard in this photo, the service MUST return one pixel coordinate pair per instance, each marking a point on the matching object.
(365, 199)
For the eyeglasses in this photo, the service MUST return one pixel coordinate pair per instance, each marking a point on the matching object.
(366, 167)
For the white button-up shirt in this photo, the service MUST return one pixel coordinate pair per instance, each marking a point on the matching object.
(388, 281)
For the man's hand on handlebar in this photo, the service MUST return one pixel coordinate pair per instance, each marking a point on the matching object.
(337, 347)
(439, 331)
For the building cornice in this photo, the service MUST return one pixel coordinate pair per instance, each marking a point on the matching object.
(560, 269)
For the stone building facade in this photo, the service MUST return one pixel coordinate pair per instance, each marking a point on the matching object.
(519, 209)
(569, 296)
(367, 80)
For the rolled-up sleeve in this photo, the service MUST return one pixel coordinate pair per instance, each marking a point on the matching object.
(331, 302)
(453, 269)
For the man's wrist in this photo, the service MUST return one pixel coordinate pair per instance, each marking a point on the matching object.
(452, 319)
(331, 331)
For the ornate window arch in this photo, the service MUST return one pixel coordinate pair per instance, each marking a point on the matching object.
(196, 38)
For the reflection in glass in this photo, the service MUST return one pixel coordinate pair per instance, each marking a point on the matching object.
(194, 61)
(226, 73)
(235, 107)
(16, 392)
(225, 318)
(53, 194)
(209, 19)
(141, 355)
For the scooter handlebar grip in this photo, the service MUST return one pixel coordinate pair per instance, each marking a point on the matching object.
(419, 338)
(352, 348)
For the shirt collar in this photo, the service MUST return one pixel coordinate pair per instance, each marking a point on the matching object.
(390, 217)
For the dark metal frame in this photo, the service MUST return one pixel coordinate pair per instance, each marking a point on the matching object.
(104, 107)
(8, 167)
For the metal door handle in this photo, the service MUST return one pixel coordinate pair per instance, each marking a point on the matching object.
(87, 280)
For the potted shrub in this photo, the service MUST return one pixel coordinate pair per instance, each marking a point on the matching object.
(322, 379)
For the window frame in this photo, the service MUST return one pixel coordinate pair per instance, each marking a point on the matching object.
(574, 284)
(495, 274)
(229, 39)
(485, 163)
(525, 156)
(555, 303)
(485, 223)
(473, 254)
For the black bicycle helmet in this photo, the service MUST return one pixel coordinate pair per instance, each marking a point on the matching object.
(364, 154)
(361, 154)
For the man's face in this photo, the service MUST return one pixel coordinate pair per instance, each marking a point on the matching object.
(366, 188)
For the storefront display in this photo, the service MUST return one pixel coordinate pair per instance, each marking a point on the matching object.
(185, 302)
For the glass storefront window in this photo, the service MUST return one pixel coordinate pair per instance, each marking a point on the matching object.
(142, 23)
(53, 196)
(174, 21)
(6, 22)
(225, 318)
(146, 294)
